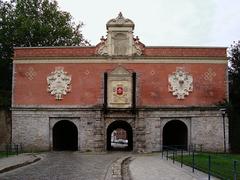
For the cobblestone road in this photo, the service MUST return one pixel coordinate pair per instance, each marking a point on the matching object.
(66, 166)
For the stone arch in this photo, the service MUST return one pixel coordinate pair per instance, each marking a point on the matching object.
(119, 124)
(175, 134)
(65, 136)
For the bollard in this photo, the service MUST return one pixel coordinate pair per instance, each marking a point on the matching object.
(167, 154)
(181, 157)
(21, 148)
(209, 167)
(235, 170)
(173, 157)
(7, 150)
(193, 161)
(189, 150)
(17, 149)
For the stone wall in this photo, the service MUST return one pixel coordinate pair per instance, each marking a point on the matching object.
(205, 127)
(5, 127)
(33, 127)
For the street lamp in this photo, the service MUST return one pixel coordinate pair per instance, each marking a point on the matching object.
(223, 112)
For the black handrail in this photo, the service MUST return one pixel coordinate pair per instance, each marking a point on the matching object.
(178, 152)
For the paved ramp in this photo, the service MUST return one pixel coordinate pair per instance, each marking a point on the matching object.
(156, 168)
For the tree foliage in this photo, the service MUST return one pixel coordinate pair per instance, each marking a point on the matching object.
(28, 23)
(234, 96)
(234, 72)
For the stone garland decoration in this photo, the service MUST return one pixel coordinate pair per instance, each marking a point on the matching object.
(180, 83)
(59, 83)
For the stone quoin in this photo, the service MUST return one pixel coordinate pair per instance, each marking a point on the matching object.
(74, 98)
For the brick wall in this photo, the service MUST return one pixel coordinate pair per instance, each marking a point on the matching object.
(209, 84)
(91, 51)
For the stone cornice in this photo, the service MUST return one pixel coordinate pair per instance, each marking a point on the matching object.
(122, 60)
(74, 108)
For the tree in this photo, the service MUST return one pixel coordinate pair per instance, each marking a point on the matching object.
(28, 23)
(234, 96)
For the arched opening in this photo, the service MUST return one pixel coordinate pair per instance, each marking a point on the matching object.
(119, 136)
(65, 136)
(175, 135)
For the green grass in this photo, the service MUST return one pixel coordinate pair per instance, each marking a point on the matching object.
(221, 164)
(4, 154)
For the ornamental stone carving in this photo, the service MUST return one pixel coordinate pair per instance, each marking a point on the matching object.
(120, 40)
(119, 88)
(59, 83)
(180, 83)
(120, 21)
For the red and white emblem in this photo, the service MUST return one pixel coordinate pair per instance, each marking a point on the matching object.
(120, 93)
(119, 90)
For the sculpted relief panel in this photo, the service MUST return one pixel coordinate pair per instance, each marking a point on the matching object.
(180, 83)
(119, 88)
(120, 40)
(59, 83)
(120, 44)
(120, 94)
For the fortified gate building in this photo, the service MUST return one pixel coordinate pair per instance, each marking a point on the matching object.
(73, 98)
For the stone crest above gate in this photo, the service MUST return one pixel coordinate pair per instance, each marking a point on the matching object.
(120, 40)
(119, 88)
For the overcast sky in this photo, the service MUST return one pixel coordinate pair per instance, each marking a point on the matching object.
(162, 22)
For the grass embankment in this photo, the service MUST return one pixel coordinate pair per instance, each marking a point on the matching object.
(221, 164)
(4, 154)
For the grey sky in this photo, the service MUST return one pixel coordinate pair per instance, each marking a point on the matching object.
(163, 22)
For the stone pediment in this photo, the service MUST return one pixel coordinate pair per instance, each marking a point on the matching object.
(120, 71)
(120, 21)
(120, 40)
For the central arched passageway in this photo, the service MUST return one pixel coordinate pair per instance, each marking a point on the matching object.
(119, 136)
(65, 136)
(175, 134)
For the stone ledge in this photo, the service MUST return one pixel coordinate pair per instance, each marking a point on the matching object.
(17, 164)
(116, 169)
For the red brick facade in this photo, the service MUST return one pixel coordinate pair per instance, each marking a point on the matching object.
(209, 84)
(166, 93)
(91, 52)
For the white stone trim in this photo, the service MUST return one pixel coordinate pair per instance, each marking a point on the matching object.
(193, 60)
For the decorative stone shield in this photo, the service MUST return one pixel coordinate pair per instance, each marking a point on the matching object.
(119, 88)
(59, 83)
(120, 92)
(180, 83)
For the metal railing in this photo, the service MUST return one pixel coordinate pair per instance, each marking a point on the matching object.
(11, 149)
(228, 169)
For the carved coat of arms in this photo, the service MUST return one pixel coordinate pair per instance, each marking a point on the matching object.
(120, 92)
(59, 83)
(180, 83)
(119, 88)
